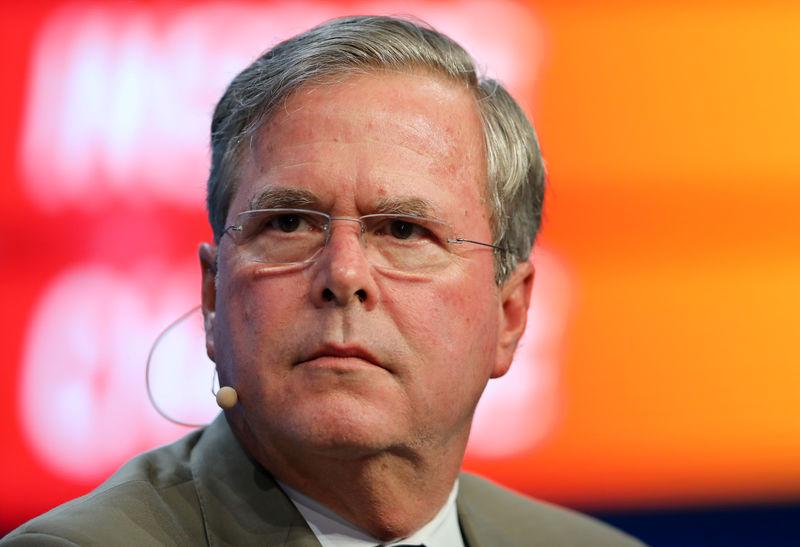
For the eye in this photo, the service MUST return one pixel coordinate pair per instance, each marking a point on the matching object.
(279, 223)
(406, 229)
(287, 222)
(407, 232)
(403, 229)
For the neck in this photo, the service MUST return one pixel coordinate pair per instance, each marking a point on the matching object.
(389, 494)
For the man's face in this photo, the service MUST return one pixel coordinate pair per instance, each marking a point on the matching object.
(338, 356)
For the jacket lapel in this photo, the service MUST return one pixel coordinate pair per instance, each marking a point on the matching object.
(240, 502)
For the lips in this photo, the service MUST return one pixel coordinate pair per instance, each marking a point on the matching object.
(341, 352)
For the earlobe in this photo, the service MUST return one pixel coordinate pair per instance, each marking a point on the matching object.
(515, 298)
(208, 266)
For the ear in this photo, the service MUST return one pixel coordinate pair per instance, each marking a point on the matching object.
(208, 267)
(515, 297)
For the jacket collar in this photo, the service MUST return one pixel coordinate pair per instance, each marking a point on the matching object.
(239, 500)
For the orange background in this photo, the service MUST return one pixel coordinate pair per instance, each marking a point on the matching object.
(670, 133)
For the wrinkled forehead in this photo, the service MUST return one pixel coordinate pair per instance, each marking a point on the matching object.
(425, 111)
(397, 131)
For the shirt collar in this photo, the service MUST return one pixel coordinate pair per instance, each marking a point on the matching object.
(333, 530)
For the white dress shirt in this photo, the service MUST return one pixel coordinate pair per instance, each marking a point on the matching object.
(333, 530)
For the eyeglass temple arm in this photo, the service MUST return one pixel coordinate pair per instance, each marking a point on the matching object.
(463, 240)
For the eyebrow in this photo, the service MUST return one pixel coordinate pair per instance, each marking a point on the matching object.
(415, 207)
(298, 198)
(284, 198)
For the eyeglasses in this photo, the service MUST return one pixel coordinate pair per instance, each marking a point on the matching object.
(286, 237)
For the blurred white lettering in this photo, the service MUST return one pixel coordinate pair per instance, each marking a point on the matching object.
(120, 97)
(83, 399)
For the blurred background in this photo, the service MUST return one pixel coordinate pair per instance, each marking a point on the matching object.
(658, 385)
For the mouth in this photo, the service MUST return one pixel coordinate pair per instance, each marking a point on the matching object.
(341, 357)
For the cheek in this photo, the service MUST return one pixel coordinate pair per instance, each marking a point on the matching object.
(253, 317)
(445, 323)
(452, 337)
(474, 328)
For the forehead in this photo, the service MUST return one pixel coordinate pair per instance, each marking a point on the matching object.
(367, 138)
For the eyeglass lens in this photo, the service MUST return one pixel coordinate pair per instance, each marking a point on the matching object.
(294, 236)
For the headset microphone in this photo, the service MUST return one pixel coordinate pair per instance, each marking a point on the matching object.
(227, 397)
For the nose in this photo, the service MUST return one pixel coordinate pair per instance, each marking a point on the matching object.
(343, 275)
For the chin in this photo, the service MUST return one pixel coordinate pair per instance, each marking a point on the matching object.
(342, 429)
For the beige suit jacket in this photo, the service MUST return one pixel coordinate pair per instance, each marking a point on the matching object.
(204, 489)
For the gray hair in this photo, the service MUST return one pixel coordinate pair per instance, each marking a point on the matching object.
(515, 171)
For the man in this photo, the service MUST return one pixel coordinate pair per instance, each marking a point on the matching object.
(373, 206)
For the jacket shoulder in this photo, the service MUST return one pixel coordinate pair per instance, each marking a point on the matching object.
(491, 515)
(151, 500)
